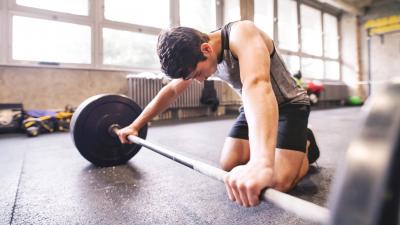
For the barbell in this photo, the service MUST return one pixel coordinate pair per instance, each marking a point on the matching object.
(361, 190)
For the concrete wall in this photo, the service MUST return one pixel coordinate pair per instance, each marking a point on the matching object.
(350, 53)
(385, 49)
(47, 88)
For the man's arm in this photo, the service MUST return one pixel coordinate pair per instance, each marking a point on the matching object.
(244, 183)
(165, 97)
(258, 97)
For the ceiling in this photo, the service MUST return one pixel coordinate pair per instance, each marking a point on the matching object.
(356, 6)
(359, 3)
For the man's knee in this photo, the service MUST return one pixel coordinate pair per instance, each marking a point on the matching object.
(227, 164)
(288, 169)
(235, 152)
(284, 183)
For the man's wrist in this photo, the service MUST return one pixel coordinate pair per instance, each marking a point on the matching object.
(134, 126)
(262, 162)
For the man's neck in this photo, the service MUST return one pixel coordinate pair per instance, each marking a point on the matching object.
(216, 42)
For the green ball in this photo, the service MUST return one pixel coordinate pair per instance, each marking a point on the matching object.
(354, 100)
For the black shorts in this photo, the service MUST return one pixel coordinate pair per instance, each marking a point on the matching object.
(292, 127)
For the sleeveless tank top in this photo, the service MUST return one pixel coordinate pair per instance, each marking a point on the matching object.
(283, 84)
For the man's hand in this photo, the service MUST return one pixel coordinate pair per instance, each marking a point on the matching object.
(245, 183)
(124, 132)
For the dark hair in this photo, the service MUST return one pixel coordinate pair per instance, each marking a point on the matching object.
(179, 51)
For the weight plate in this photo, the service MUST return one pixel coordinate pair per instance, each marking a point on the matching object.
(89, 129)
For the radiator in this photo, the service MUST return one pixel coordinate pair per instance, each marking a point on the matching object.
(335, 91)
(142, 89)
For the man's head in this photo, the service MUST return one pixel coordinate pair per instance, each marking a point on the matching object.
(180, 49)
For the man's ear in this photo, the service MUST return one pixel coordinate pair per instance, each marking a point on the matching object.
(206, 49)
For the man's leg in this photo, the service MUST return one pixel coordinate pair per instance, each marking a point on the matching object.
(290, 165)
(235, 152)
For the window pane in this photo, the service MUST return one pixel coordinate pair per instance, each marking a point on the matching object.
(287, 25)
(331, 36)
(198, 14)
(311, 30)
(79, 7)
(231, 10)
(50, 41)
(264, 15)
(153, 13)
(125, 48)
(312, 68)
(292, 62)
(332, 69)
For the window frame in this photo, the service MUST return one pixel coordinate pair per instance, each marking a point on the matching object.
(276, 26)
(14, 9)
(272, 16)
(3, 32)
(300, 53)
(213, 11)
(44, 17)
(95, 20)
(321, 13)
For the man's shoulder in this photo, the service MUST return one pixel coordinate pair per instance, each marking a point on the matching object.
(242, 24)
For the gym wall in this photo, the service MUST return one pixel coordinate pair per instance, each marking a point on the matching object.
(385, 49)
(47, 88)
(350, 55)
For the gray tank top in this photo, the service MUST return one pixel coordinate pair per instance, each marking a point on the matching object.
(284, 86)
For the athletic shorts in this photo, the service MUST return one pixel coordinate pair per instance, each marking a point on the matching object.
(292, 127)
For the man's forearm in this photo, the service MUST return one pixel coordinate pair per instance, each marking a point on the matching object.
(161, 102)
(262, 115)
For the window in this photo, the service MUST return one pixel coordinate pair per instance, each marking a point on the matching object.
(332, 69)
(311, 30)
(318, 53)
(50, 41)
(132, 49)
(2, 33)
(264, 15)
(79, 7)
(287, 25)
(331, 36)
(154, 13)
(200, 15)
(292, 62)
(348, 76)
(231, 11)
(312, 68)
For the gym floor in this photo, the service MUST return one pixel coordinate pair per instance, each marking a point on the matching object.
(44, 180)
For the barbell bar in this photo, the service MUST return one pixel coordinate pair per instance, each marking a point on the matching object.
(301, 208)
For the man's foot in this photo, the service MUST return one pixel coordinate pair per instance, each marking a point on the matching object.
(313, 150)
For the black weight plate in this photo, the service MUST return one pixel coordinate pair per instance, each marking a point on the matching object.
(89, 129)
(366, 188)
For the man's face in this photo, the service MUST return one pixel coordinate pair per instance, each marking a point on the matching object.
(206, 68)
(203, 71)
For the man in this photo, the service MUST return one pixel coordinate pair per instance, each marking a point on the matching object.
(268, 144)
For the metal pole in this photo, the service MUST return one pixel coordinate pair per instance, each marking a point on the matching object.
(369, 63)
(301, 208)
